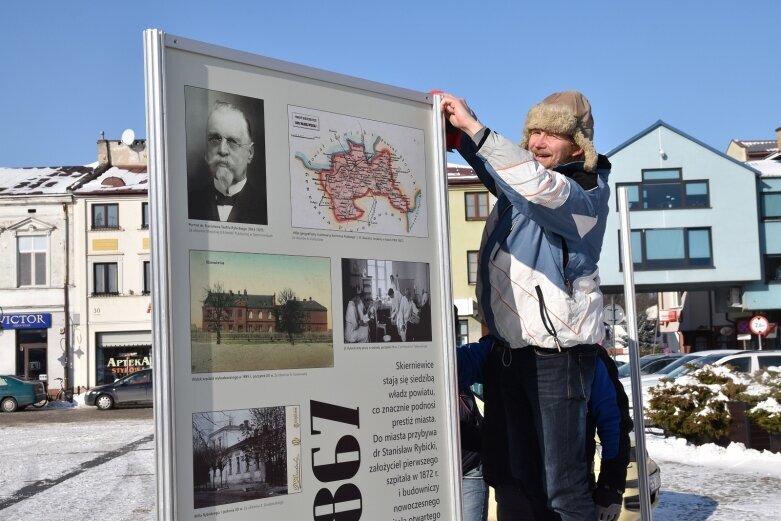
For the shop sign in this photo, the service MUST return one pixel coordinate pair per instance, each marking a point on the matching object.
(128, 362)
(26, 321)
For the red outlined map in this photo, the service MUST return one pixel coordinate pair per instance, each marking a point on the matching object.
(354, 174)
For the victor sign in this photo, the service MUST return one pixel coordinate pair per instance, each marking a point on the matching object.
(26, 321)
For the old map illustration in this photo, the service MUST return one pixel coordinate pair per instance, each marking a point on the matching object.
(354, 174)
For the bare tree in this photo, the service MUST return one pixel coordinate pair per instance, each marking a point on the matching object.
(217, 302)
(289, 313)
(201, 456)
(218, 458)
(265, 437)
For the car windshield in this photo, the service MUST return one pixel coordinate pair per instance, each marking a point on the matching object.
(685, 359)
(134, 378)
(625, 369)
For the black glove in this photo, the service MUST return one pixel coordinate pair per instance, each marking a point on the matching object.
(608, 501)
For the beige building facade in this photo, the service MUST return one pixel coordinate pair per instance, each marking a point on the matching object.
(113, 267)
(469, 204)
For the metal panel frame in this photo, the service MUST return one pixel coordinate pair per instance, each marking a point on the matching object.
(156, 43)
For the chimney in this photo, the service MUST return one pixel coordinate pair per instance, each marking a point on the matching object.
(778, 138)
(104, 156)
(117, 153)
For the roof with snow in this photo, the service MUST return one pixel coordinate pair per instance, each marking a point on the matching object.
(461, 174)
(767, 167)
(117, 181)
(758, 145)
(43, 180)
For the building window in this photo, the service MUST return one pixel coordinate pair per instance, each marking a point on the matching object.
(477, 206)
(105, 278)
(471, 263)
(664, 189)
(771, 205)
(462, 335)
(32, 260)
(105, 216)
(144, 215)
(671, 248)
(379, 272)
(773, 269)
(147, 278)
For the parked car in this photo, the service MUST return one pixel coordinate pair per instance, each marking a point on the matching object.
(16, 394)
(744, 361)
(649, 380)
(650, 364)
(631, 506)
(750, 361)
(135, 389)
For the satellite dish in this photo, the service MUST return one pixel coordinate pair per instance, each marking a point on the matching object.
(128, 137)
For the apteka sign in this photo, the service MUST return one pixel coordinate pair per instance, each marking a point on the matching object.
(26, 321)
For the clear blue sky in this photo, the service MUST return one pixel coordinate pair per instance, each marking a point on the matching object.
(709, 68)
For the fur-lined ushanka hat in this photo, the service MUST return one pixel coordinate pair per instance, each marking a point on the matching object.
(566, 113)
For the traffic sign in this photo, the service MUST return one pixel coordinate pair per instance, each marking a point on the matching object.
(614, 314)
(759, 325)
(743, 327)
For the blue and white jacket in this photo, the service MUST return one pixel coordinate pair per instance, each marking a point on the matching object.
(538, 282)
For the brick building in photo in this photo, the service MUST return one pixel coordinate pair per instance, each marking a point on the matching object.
(255, 314)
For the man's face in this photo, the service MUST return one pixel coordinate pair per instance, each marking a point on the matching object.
(552, 149)
(228, 147)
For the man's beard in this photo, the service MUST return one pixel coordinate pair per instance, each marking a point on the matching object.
(224, 178)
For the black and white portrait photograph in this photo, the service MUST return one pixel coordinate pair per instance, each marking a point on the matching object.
(386, 301)
(245, 454)
(226, 157)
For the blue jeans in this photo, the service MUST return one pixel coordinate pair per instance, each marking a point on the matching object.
(559, 386)
(474, 492)
(536, 426)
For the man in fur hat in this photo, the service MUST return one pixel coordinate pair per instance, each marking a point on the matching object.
(538, 292)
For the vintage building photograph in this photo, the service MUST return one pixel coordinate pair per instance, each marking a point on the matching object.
(242, 455)
(257, 312)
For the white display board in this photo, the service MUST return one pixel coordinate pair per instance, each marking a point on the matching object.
(303, 330)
